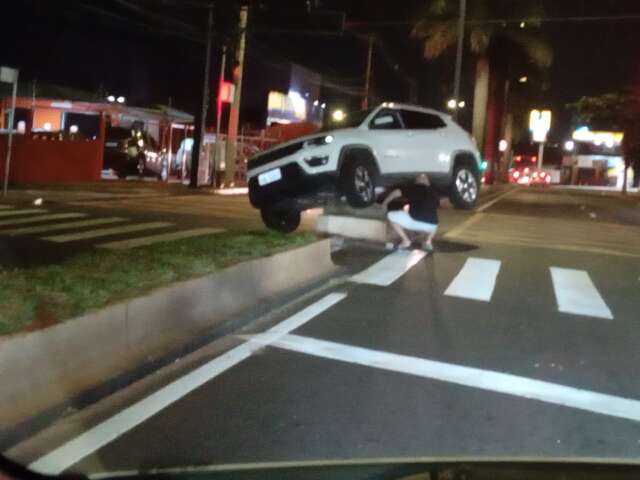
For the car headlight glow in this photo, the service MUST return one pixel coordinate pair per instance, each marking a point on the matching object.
(319, 141)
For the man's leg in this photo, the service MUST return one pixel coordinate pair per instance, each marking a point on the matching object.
(406, 242)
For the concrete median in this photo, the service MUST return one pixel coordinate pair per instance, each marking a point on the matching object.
(43, 369)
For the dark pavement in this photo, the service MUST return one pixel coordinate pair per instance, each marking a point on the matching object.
(508, 291)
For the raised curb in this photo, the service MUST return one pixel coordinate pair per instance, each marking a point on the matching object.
(351, 227)
(42, 369)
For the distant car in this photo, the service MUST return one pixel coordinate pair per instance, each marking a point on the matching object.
(529, 176)
(134, 152)
(381, 147)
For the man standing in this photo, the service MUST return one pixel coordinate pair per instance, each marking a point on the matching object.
(422, 215)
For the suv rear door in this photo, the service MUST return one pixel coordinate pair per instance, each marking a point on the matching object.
(428, 151)
(390, 142)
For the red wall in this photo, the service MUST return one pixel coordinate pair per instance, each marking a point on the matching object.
(34, 159)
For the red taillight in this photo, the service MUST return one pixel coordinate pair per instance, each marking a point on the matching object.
(548, 179)
(518, 158)
(526, 170)
(516, 174)
(535, 174)
(534, 159)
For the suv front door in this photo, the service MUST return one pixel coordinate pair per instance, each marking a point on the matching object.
(426, 144)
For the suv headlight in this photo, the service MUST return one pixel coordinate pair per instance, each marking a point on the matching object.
(319, 141)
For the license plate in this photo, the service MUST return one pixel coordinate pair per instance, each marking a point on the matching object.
(269, 177)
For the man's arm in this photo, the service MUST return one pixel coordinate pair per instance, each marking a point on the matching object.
(391, 197)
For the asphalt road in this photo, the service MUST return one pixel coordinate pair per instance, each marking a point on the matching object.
(518, 337)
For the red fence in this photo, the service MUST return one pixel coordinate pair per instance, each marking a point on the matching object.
(47, 158)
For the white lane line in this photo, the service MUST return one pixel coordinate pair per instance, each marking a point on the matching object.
(26, 211)
(40, 218)
(490, 203)
(467, 376)
(88, 442)
(576, 293)
(103, 232)
(476, 280)
(163, 237)
(390, 268)
(63, 226)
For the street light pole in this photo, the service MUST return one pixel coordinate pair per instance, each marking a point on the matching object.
(199, 132)
(459, 50)
(223, 64)
(367, 83)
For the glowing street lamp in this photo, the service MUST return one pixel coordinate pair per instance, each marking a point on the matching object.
(452, 104)
(120, 99)
(338, 115)
(111, 98)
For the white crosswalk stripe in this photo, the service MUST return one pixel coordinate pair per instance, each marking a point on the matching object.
(104, 232)
(390, 268)
(26, 211)
(163, 237)
(576, 294)
(39, 218)
(476, 280)
(62, 226)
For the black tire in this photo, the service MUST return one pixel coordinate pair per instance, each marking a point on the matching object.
(358, 178)
(284, 220)
(121, 175)
(465, 187)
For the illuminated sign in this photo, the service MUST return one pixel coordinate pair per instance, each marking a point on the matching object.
(288, 108)
(609, 139)
(540, 124)
(226, 92)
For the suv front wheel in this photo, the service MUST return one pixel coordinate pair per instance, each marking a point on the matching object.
(464, 188)
(358, 183)
(281, 219)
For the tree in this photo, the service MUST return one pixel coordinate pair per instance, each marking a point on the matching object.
(493, 43)
(613, 111)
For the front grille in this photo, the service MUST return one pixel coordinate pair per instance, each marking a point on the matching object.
(273, 155)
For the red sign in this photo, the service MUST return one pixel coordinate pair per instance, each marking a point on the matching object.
(226, 92)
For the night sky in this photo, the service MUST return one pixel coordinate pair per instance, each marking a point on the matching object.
(155, 53)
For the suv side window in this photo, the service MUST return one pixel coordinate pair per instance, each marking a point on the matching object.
(415, 120)
(386, 120)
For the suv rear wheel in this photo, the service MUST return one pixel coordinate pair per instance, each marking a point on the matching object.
(464, 188)
(358, 183)
(281, 219)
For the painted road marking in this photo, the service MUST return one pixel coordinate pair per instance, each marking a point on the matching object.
(476, 280)
(492, 202)
(163, 237)
(40, 218)
(390, 268)
(103, 232)
(88, 442)
(63, 226)
(27, 211)
(467, 376)
(576, 293)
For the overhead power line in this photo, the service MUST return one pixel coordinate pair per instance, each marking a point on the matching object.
(501, 21)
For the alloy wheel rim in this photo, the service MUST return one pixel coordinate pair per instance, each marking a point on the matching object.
(363, 184)
(466, 185)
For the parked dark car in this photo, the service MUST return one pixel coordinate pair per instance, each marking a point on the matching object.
(134, 152)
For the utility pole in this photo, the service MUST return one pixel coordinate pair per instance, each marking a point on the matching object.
(459, 50)
(223, 65)
(367, 82)
(234, 114)
(199, 131)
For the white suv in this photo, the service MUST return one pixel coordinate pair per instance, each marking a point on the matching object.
(381, 147)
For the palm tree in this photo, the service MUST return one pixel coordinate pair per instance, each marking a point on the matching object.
(488, 39)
